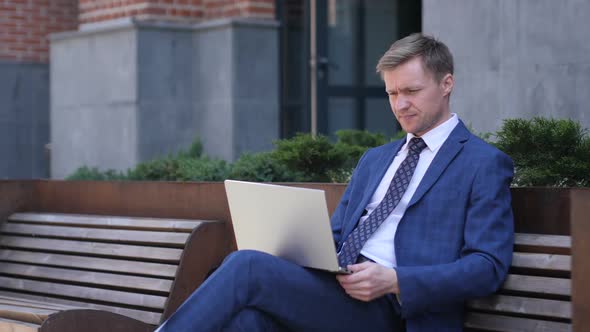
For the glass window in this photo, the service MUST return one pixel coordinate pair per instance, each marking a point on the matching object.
(379, 118)
(380, 32)
(342, 41)
(341, 114)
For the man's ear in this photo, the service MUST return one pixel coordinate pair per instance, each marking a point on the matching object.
(447, 84)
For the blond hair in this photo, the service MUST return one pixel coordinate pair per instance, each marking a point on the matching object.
(436, 56)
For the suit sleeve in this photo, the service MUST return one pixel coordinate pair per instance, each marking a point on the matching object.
(485, 256)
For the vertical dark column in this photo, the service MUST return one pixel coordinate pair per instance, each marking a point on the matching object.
(410, 17)
(580, 226)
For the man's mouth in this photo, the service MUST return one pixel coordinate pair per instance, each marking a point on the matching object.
(407, 116)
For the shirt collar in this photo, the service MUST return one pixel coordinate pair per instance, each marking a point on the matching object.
(436, 136)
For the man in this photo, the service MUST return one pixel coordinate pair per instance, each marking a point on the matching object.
(424, 224)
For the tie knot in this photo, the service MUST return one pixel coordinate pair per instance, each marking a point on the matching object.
(416, 145)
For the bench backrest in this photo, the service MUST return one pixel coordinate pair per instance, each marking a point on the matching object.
(124, 265)
(537, 293)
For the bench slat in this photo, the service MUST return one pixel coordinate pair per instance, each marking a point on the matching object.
(91, 263)
(92, 234)
(489, 322)
(93, 248)
(538, 285)
(25, 313)
(542, 261)
(94, 278)
(20, 301)
(10, 325)
(144, 316)
(523, 305)
(550, 244)
(86, 293)
(154, 224)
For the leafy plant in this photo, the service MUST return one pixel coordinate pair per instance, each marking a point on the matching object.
(202, 169)
(94, 174)
(310, 157)
(350, 147)
(162, 169)
(546, 152)
(261, 167)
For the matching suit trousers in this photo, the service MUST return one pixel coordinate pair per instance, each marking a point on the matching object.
(254, 291)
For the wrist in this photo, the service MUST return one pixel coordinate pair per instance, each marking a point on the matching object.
(395, 285)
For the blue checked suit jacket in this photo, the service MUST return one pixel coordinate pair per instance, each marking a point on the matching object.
(455, 239)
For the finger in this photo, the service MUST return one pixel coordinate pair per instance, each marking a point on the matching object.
(359, 267)
(353, 288)
(347, 284)
(361, 286)
(350, 279)
(364, 293)
(360, 275)
(343, 277)
(362, 296)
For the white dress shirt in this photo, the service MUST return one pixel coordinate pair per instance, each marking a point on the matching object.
(380, 247)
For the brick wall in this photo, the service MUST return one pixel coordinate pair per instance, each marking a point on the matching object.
(25, 25)
(170, 10)
(239, 8)
(174, 10)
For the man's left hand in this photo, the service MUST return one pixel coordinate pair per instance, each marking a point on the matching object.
(369, 281)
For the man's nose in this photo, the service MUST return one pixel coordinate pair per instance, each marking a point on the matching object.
(401, 103)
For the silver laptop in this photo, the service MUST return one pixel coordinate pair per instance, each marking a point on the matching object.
(288, 222)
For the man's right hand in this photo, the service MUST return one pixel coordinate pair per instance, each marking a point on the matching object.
(369, 281)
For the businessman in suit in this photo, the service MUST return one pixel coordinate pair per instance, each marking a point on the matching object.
(424, 224)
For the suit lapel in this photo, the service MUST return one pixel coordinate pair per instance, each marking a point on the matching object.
(382, 166)
(379, 167)
(447, 153)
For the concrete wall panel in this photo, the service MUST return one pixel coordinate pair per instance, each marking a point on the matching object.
(167, 121)
(216, 128)
(94, 136)
(165, 85)
(236, 84)
(94, 100)
(520, 58)
(213, 74)
(256, 88)
(94, 68)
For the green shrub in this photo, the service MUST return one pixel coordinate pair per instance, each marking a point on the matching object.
(298, 159)
(361, 138)
(546, 152)
(181, 169)
(304, 159)
(162, 169)
(195, 150)
(311, 158)
(94, 174)
(202, 169)
(261, 167)
(350, 147)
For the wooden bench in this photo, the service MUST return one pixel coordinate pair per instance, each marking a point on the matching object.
(537, 293)
(65, 272)
(562, 211)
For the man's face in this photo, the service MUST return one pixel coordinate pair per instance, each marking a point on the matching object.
(417, 100)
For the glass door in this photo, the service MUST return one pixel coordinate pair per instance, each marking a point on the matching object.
(329, 50)
(351, 35)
